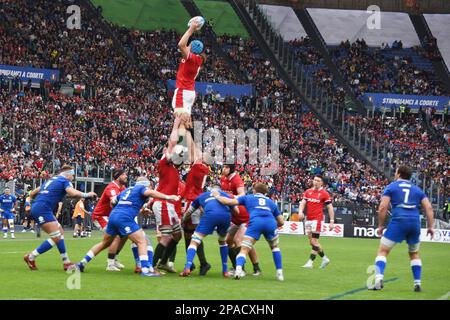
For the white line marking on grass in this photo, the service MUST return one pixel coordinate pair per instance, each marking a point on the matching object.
(445, 296)
(12, 252)
(45, 238)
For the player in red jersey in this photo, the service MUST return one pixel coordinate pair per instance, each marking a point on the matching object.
(195, 184)
(192, 58)
(165, 212)
(314, 200)
(101, 213)
(232, 183)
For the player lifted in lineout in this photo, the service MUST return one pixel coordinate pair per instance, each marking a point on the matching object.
(405, 199)
(314, 200)
(192, 58)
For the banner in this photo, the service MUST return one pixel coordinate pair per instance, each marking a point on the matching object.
(412, 101)
(292, 227)
(338, 230)
(440, 235)
(233, 90)
(26, 73)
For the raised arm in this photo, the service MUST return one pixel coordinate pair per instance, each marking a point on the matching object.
(182, 44)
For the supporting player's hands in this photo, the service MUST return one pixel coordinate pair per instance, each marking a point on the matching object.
(215, 194)
(195, 25)
(430, 232)
(92, 195)
(173, 197)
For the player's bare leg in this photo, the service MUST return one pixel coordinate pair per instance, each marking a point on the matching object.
(316, 249)
(114, 249)
(195, 244)
(95, 250)
(56, 237)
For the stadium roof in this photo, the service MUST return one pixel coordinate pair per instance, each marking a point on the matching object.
(410, 6)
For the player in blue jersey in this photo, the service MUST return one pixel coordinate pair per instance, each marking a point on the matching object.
(265, 218)
(216, 216)
(127, 206)
(46, 199)
(7, 203)
(405, 199)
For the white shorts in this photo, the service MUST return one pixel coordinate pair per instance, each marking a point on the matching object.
(313, 226)
(183, 100)
(234, 228)
(165, 213)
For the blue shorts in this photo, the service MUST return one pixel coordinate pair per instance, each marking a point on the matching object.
(121, 225)
(42, 216)
(208, 224)
(403, 229)
(7, 215)
(262, 225)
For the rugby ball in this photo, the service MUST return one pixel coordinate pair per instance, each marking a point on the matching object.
(199, 19)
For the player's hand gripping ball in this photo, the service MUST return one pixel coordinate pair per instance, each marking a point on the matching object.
(198, 22)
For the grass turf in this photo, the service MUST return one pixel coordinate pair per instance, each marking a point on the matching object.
(346, 273)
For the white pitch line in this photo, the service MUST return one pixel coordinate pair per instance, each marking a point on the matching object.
(445, 296)
(12, 252)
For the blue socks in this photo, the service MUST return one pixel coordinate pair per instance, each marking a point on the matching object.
(145, 264)
(45, 246)
(136, 254)
(224, 256)
(62, 250)
(276, 253)
(380, 265)
(190, 255)
(240, 260)
(416, 267)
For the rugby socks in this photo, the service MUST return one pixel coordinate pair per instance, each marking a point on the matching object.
(88, 257)
(380, 265)
(190, 255)
(111, 259)
(276, 254)
(150, 255)
(159, 251)
(201, 254)
(134, 249)
(44, 247)
(224, 256)
(62, 250)
(173, 255)
(145, 264)
(416, 267)
(167, 253)
(240, 261)
(5, 232)
(256, 267)
(232, 253)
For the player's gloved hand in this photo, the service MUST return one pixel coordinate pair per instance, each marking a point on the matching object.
(430, 232)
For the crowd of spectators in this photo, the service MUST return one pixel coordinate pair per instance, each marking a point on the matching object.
(386, 69)
(129, 117)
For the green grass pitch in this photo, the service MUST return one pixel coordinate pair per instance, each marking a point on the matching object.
(346, 273)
